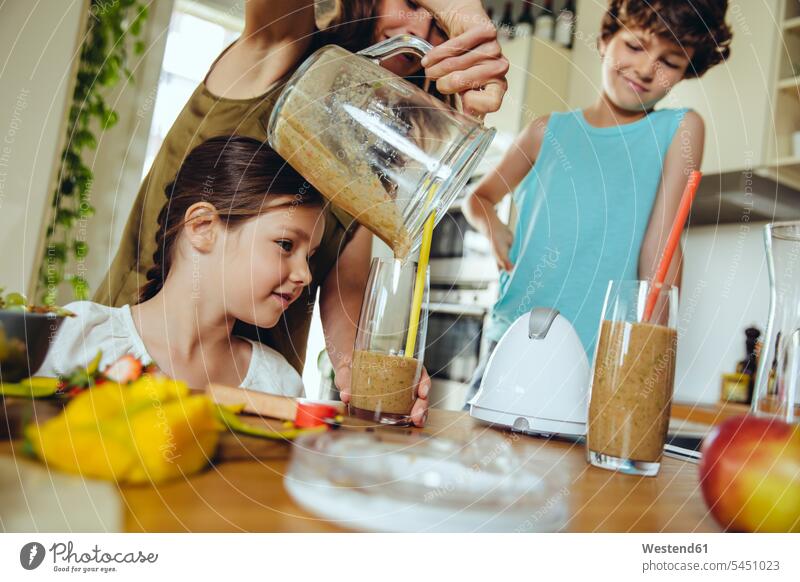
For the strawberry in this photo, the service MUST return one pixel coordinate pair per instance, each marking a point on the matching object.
(126, 369)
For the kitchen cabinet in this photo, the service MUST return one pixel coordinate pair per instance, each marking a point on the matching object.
(784, 156)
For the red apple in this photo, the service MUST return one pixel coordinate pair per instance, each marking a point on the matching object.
(750, 474)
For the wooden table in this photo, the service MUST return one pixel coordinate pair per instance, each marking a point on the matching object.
(248, 494)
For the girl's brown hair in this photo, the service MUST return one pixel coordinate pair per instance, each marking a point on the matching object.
(699, 24)
(236, 174)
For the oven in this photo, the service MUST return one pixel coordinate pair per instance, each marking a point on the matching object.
(463, 290)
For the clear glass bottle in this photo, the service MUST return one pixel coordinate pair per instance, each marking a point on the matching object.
(545, 22)
(776, 390)
(525, 23)
(565, 25)
(506, 29)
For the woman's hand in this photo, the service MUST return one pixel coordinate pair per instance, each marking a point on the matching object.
(419, 413)
(502, 238)
(470, 63)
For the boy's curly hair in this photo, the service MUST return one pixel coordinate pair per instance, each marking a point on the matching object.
(699, 24)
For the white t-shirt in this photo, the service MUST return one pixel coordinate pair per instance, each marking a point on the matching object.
(111, 329)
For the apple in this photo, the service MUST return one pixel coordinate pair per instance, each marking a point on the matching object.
(750, 474)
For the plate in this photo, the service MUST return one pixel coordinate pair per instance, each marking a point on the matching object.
(414, 483)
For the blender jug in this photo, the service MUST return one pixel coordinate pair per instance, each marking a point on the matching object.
(374, 144)
(776, 389)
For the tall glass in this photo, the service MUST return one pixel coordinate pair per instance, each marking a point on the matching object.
(632, 379)
(384, 378)
(776, 391)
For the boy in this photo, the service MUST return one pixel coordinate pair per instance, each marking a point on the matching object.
(597, 189)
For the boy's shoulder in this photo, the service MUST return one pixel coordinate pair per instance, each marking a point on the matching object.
(686, 122)
(692, 118)
(532, 136)
(682, 114)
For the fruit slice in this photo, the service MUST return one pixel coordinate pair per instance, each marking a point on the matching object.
(126, 369)
(232, 420)
(36, 387)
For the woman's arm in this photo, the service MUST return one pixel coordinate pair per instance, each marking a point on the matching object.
(480, 207)
(277, 33)
(340, 302)
(684, 155)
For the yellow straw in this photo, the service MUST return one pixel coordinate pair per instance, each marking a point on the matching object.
(419, 285)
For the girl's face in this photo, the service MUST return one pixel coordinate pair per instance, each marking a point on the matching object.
(405, 17)
(264, 264)
(640, 68)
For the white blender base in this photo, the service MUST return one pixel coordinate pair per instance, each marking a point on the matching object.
(528, 424)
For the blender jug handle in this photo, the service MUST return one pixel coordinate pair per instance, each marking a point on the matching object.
(402, 43)
(405, 43)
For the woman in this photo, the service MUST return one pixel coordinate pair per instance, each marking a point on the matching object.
(237, 97)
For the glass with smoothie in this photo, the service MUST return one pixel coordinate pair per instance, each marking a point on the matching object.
(384, 377)
(632, 378)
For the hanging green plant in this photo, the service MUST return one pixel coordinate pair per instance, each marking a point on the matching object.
(112, 36)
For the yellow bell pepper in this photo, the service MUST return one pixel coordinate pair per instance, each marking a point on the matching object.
(150, 430)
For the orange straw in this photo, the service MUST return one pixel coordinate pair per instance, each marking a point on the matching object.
(672, 241)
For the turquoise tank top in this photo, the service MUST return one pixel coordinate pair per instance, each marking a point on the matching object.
(583, 210)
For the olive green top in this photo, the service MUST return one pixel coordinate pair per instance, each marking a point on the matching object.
(205, 116)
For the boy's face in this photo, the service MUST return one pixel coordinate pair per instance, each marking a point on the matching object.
(640, 68)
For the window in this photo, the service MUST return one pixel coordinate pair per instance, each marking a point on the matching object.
(197, 35)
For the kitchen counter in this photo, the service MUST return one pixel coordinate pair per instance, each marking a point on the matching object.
(246, 493)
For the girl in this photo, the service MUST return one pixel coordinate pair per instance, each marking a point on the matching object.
(237, 97)
(597, 189)
(233, 243)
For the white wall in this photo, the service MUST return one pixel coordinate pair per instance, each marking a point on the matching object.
(585, 79)
(38, 44)
(725, 290)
